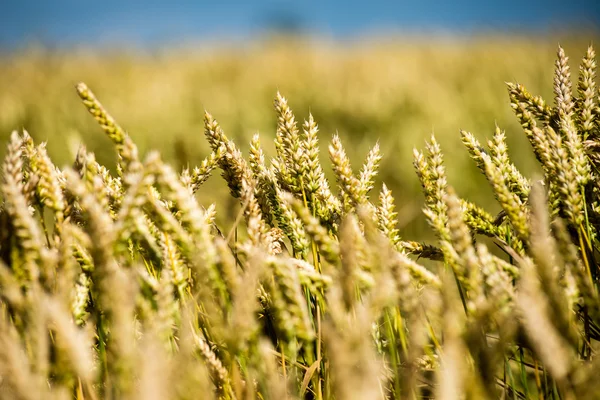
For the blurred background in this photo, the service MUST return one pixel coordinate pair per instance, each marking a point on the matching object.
(393, 72)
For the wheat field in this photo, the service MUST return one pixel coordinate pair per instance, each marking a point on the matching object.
(392, 221)
(394, 91)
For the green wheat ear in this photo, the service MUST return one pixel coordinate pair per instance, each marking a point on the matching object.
(106, 121)
(350, 186)
(126, 149)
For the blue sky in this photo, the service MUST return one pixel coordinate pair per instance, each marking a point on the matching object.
(154, 23)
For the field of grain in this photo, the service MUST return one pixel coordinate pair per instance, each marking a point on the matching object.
(393, 221)
(396, 92)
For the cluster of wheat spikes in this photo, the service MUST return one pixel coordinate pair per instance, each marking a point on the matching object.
(118, 287)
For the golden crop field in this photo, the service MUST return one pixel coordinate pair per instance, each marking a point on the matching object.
(397, 92)
(400, 219)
